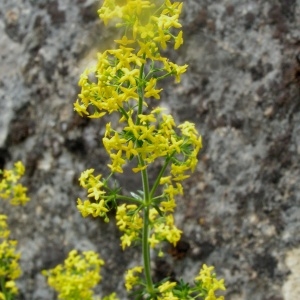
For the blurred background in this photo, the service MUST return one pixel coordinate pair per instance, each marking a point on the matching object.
(241, 208)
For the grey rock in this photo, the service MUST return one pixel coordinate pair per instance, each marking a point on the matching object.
(240, 211)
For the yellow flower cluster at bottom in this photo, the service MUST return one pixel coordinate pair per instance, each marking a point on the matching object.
(75, 279)
(9, 262)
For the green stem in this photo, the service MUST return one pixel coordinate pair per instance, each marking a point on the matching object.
(146, 252)
(145, 233)
(164, 76)
(141, 91)
(147, 197)
(161, 173)
(130, 199)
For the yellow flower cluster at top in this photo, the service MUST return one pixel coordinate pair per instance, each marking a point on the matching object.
(120, 73)
(9, 186)
(75, 279)
(9, 266)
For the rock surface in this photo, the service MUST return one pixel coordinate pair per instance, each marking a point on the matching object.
(241, 209)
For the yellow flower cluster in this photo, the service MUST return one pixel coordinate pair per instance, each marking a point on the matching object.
(209, 284)
(165, 290)
(9, 266)
(9, 188)
(94, 187)
(132, 278)
(4, 231)
(75, 279)
(154, 136)
(152, 139)
(145, 21)
(205, 287)
(129, 222)
(9, 259)
(164, 229)
(147, 27)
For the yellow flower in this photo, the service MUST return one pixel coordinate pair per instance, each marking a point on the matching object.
(164, 180)
(139, 168)
(162, 37)
(124, 41)
(128, 93)
(153, 241)
(95, 191)
(146, 31)
(147, 118)
(131, 278)
(148, 133)
(84, 177)
(168, 205)
(178, 40)
(127, 239)
(19, 195)
(129, 149)
(9, 262)
(148, 49)
(129, 75)
(209, 282)
(11, 286)
(80, 108)
(97, 115)
(19, 167)
(166, 286)
(117, 162)
(150, 90)
(99, 208)
(4, 232)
